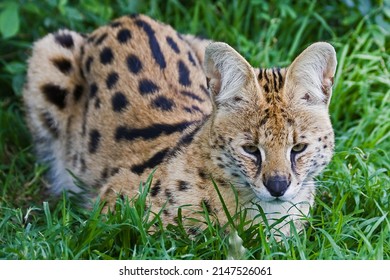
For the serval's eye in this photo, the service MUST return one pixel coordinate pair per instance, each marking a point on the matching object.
(250, 149)
(299, 148)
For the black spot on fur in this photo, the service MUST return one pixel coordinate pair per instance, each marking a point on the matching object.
(48, 121)
(266, 89)
(280, 78)
(193, 109)
(104, 173)
(188, 138)
(264, 121)
(114, 171)
(83, 164)
(306, 97)
(82, 53)
(185, 140)
(54, 94)
(88, 64)
(63, 64)
(151, 132)
(205, 90)
(202, 174)
(65, 40)
(101, 39)
(191, 59)
(153, 43)
(97, 103)
(155, 160)
(123, 35)
(75, 159)
(78, 92)
(179, 36)
(273, 82)
(156, 188)
(93, 88)
(184, 74)
(146, 87)
(188, 110)
(133, 15)
(91, 38)
(112, 79)
(191, 95)
(260, 76)
(106, 56)
(108, 172)
(134, 64)
(220, 182)
(163, 103)
(84, 121)
(183, 185)
(173, 45)
(169, 196)
(115, 24)
(237, 99)
(193, 231)
(206, 204)
(94, 139)
(119, 102)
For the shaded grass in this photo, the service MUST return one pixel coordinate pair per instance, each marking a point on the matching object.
(351, 216)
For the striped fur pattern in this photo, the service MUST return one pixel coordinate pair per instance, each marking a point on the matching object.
(135, 95)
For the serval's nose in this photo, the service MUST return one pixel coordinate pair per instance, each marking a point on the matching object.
(277, 185)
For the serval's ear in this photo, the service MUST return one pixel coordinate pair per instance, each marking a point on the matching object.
(228, 74)
(309, 78)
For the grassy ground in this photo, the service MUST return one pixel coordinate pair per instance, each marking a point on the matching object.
(351, 217)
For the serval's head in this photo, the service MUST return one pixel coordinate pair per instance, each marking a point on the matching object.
(271, 127)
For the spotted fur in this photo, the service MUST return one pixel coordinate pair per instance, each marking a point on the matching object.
(135, 95)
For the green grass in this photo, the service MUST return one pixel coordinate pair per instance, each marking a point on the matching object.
(351, 216)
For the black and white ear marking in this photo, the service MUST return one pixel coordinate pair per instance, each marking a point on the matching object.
(309, 78)
(227, 72)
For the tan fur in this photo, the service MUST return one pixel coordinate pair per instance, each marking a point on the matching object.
(144, 105)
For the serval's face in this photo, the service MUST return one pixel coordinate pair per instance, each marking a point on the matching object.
(273, 134)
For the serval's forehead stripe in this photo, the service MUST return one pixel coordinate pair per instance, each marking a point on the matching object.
(275, 114)
(271, 81)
